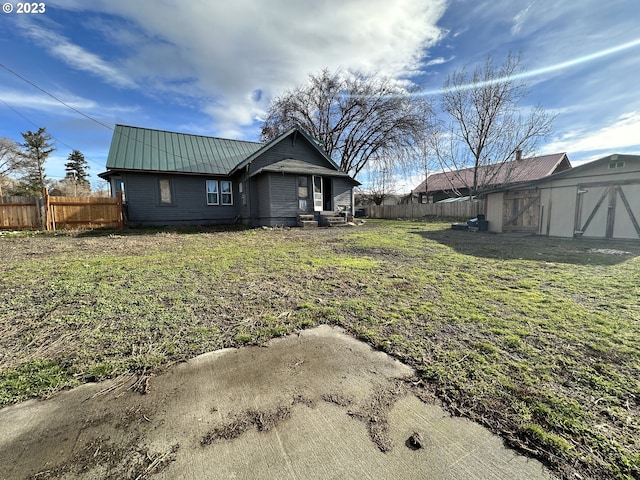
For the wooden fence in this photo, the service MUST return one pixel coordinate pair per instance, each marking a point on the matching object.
(21, 213)
(51, 213)
(420, 210)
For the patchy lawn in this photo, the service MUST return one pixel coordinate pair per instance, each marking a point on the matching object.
(537, 338)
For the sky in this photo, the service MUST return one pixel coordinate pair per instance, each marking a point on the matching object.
(211, 67)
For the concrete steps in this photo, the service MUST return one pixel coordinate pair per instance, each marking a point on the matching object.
(331, 219)
(324, 219)
(307, 221)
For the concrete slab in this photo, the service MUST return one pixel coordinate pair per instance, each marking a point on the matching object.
(318, 405)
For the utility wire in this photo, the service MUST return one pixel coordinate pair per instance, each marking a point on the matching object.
(173, 154)
(54, 97)
(52, 136)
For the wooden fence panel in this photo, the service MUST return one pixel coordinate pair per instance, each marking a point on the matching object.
(84, 212)
(420, 210)
(20, 213)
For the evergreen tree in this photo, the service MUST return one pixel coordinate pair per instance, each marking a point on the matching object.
(36, 149)
(76, 168)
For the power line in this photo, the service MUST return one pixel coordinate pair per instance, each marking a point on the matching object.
(154, 147)
(52, 136)
(55, 98)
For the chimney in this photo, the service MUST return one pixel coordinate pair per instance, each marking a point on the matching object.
(518, 155)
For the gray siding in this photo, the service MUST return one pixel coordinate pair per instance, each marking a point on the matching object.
(300, 149)
(277, 200)
(284, 199)
(342, 194)
(189, 201)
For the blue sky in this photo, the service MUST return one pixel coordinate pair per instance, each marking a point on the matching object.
(211, 67)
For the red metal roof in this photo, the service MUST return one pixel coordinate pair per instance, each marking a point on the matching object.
(524, 170)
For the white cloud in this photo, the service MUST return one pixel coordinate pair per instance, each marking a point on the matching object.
(439, 61)
(621, 135)
(75, 56)
(519, 20)
(227, 50)
(44, 103)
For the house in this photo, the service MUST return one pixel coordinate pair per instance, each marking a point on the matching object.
(440, 186)
(599, 199)
(170, 178)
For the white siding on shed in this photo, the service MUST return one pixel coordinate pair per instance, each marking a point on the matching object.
(600, 199)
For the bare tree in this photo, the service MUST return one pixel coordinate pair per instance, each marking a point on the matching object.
(487, 123)
(70, 187)
(379, 180)
(11, 162)
(424, 160)
(355, 117)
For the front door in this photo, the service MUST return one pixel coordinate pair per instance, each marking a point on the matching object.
(317, 194)
(327, 194)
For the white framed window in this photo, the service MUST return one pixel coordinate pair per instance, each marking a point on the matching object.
(213, 193)
(226, 191)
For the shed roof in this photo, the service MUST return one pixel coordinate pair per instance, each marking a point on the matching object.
(578, 171)
(135, 148)
(515, 171)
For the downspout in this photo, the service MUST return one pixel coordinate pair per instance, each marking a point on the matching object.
(247, 190)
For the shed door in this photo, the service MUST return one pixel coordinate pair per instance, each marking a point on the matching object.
(521, 211)
(317, 193)
(608, 210)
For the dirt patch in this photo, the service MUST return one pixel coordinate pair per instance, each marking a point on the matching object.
(103, 459)
(262, 420)
(375, 412)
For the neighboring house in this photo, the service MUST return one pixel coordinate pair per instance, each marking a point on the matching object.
(599, 199)
(170, 178)
(440, 186)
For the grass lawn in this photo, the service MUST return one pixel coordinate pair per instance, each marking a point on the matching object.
(537, 338)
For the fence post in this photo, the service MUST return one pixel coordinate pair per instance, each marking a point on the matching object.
(49, 214)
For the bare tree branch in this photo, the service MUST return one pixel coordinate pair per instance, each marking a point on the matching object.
(487, 120)
(355, 117)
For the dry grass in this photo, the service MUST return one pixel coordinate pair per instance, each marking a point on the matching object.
(536, 338)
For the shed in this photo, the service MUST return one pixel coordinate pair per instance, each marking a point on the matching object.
(599, 199)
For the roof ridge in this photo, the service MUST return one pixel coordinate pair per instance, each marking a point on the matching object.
(189, 134)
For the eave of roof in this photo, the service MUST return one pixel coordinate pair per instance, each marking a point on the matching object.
(299, 167)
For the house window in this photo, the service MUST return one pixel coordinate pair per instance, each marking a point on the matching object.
(119, 187)
(226, 189)
(303, 187)
(616, 165)
(165, 191)
(213, 194)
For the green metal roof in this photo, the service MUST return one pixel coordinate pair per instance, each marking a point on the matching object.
(135, 148)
